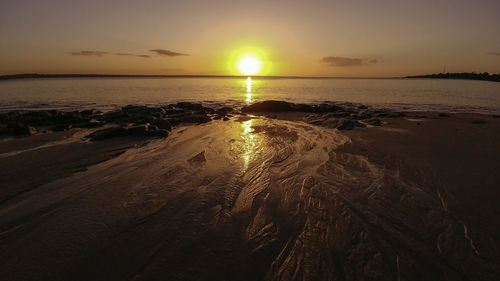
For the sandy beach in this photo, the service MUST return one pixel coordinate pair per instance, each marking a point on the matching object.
(274, 191)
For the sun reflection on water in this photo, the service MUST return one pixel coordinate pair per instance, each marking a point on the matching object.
(249, 90)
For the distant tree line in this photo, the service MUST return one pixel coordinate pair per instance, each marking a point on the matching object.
(464, 75)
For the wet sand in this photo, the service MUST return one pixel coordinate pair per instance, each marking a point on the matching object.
(257, 198)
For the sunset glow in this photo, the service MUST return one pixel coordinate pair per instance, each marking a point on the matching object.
(249, 66)
(249, 61)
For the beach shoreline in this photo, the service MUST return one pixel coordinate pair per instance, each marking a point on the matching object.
(325, 190)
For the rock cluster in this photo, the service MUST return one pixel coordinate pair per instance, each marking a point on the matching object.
(130, 120)
(342, 116)
(143, 121)
(30, 122)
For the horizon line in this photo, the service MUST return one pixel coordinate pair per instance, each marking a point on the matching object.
(96, 75)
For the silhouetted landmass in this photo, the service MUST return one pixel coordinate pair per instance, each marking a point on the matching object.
(464, 75)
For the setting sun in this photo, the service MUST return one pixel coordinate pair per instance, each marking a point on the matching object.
(249, 61)
(249, 66)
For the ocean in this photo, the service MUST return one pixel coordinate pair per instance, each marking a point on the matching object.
(110, 93)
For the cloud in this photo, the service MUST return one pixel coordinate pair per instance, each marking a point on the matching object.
(131, 55)
(101, 53)
(160, 52)
(88, 53)
(493, 53)
(163, 52)
(343, 61)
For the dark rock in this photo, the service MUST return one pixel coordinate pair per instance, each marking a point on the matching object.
(108, 133)
(496, 116)
(195, 118)
(478, 122)
(346, 124)
(162, 110)
(443, 115)
(270, 106)
(35, 117)
(134, 108)
(189, 105)
(140, 130)
(94, 124)
(225, 109)
(115, 115)
(156, 115)
(374, 122)
(4, 129)
(322, 108)
(4, 118)
(365, 115)
(396, 115)
(90, 112)
(341, 114)
(152, 128)
(207, 110)
(60, 128)
(163, 124)
(68, 117)
(174, 121)
(175, 111)
(225, 119)
(25, 130)
(12, 124)
(362, 107)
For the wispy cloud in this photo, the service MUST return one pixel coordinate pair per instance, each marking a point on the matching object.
(159, 52)
(131, 55)
(88, 53)
(163, 52)
(493, 53)
(344, 62)
(102, 53)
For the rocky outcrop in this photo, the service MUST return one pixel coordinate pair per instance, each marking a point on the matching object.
(133, 119)
(108, 133)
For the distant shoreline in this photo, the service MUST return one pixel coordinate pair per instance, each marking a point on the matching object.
(460, 76)
(463, 76)
(42, 76)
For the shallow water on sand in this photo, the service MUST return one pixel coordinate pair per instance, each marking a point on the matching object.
(249, 199)
(108, 93)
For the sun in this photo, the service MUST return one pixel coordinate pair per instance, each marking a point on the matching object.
(249, 66)
(248, 61)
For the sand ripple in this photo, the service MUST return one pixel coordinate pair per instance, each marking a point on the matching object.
(252, 199)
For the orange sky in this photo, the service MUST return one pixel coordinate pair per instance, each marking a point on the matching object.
(303, 38)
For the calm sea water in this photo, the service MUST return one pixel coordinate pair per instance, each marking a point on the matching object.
(107, 93)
